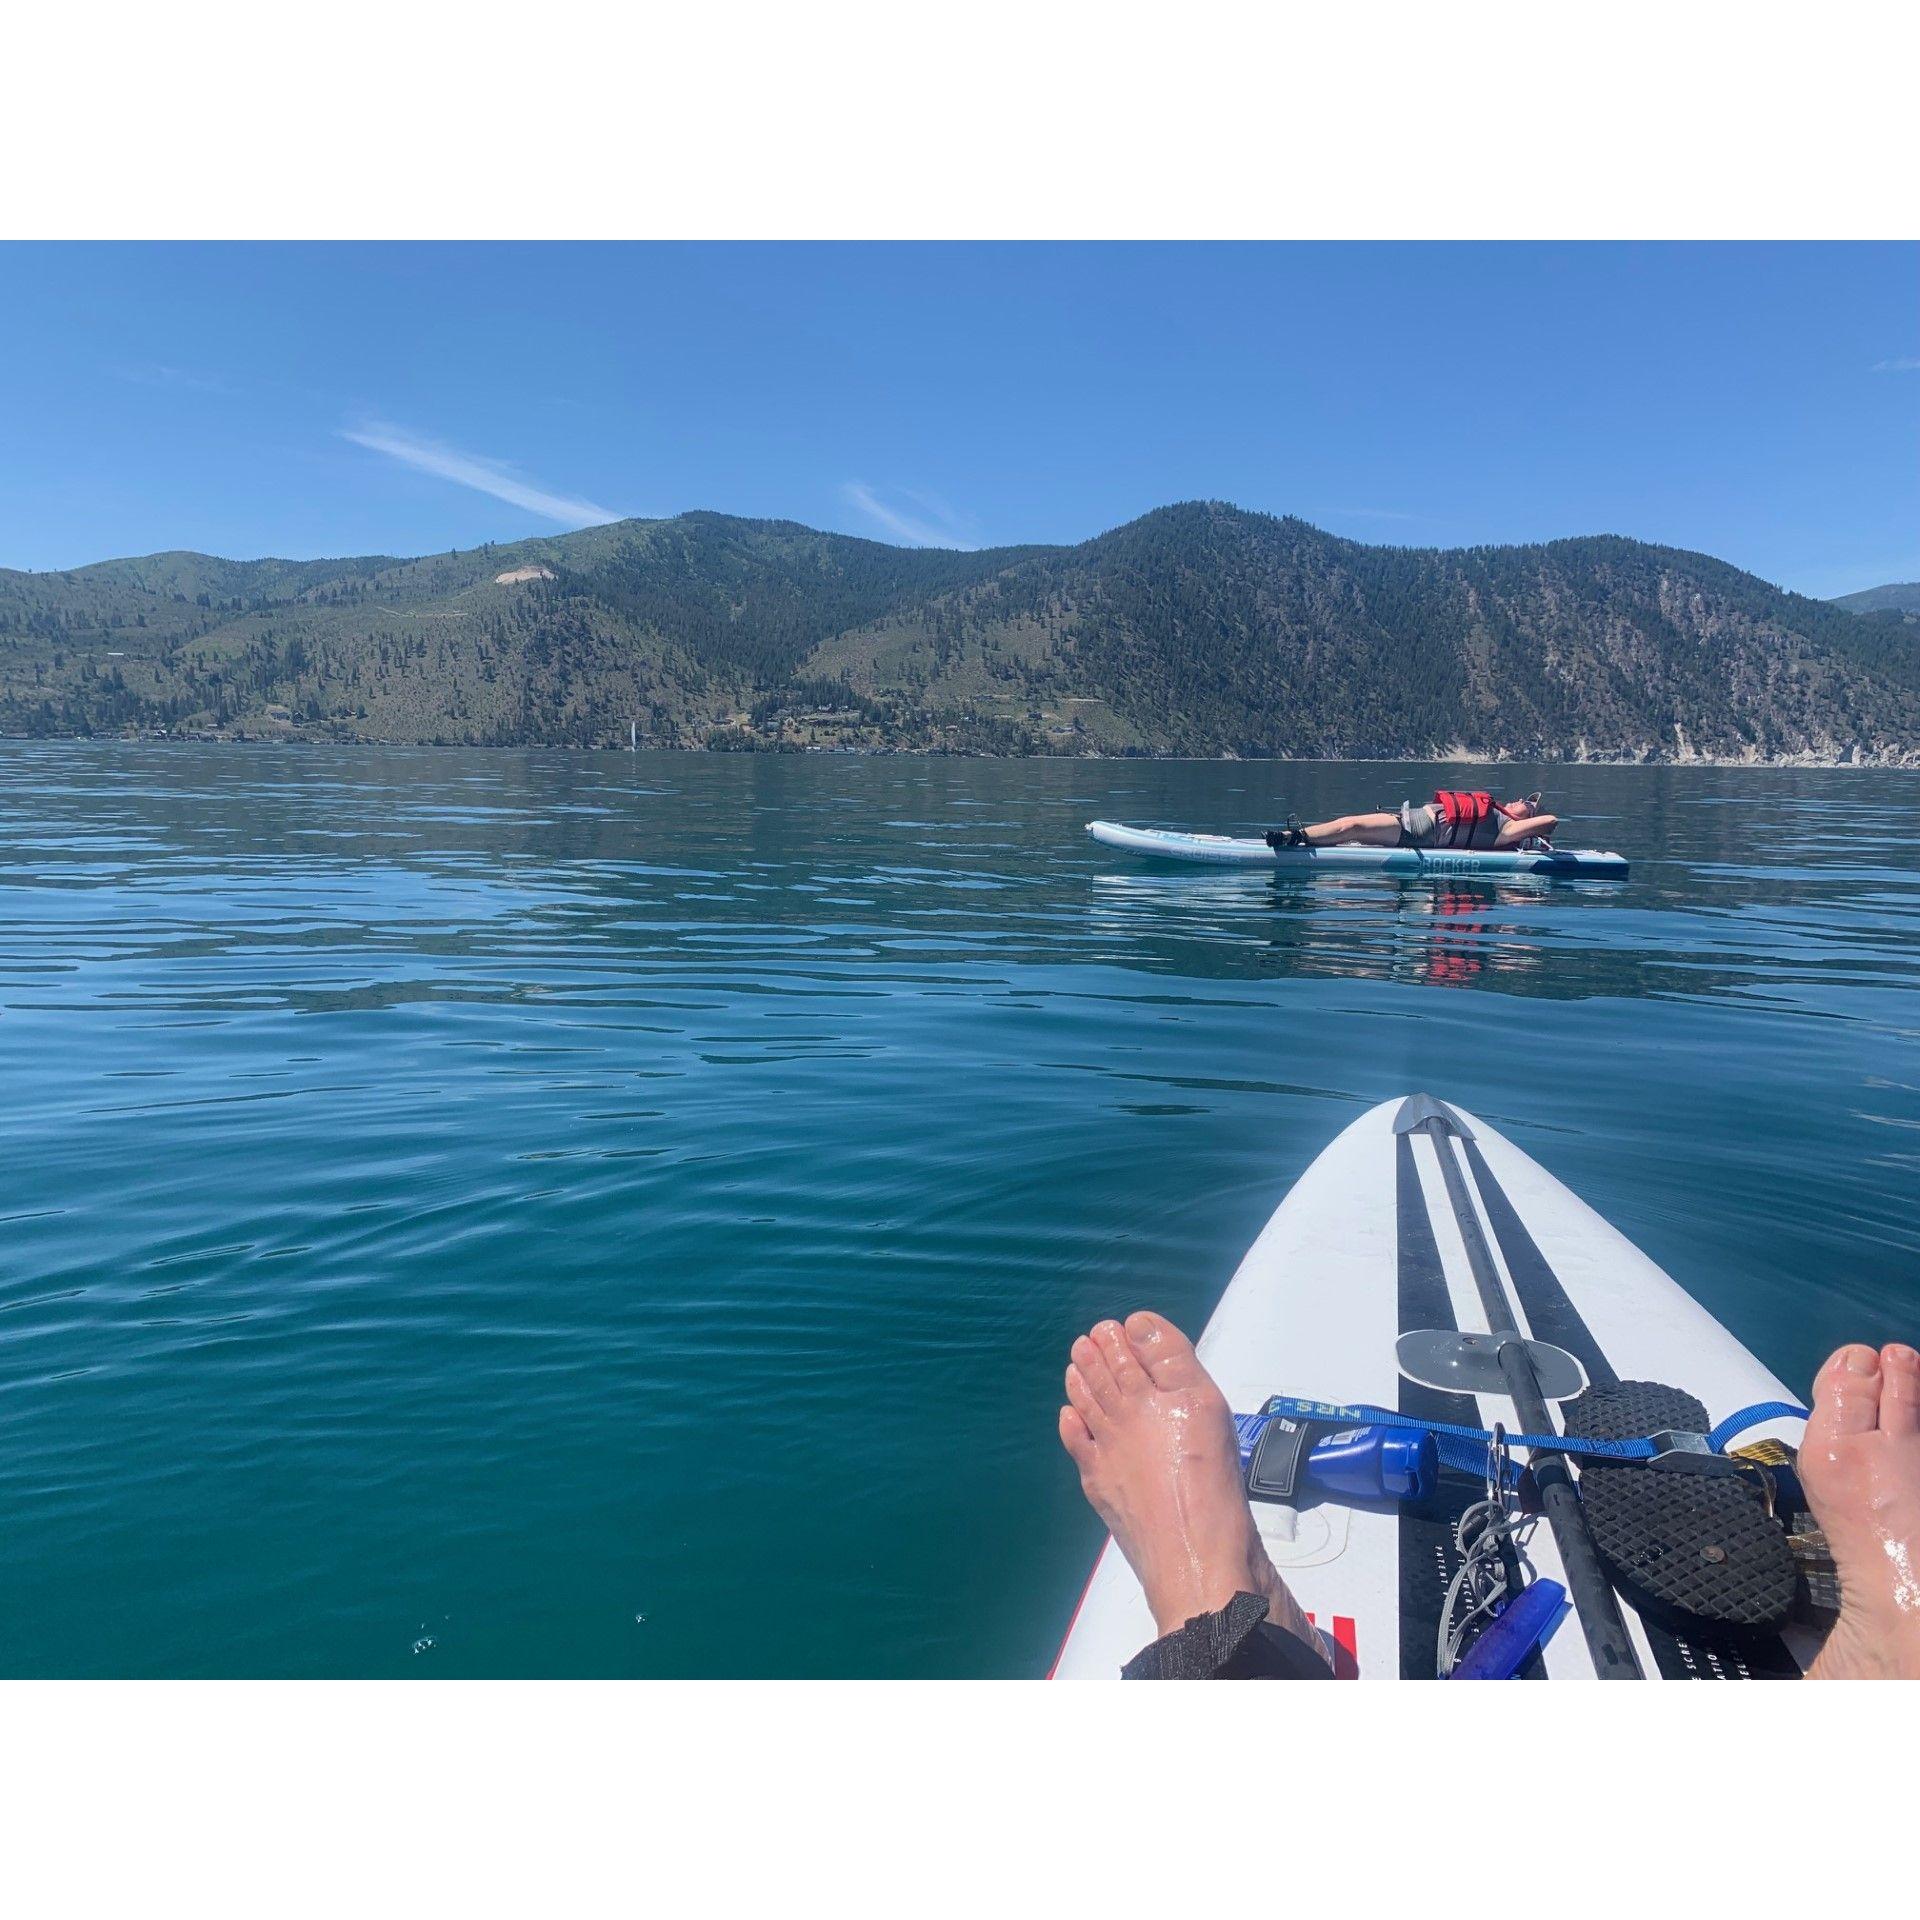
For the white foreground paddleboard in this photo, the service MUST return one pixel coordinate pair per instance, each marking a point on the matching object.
(1219, 850)
(1369, 1245)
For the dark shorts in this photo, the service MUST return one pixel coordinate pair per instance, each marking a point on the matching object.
(1420, 826)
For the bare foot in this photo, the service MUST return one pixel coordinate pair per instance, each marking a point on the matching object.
(1159, 1462)
(1860, 1465)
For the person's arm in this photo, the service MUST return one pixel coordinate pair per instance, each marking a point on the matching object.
(1535, 826)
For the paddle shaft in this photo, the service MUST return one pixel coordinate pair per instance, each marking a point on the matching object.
(1594, 1602)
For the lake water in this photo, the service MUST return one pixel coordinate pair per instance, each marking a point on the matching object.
(536, 1213)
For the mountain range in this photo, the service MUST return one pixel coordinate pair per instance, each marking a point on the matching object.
(1900, 597)
(1199, 629)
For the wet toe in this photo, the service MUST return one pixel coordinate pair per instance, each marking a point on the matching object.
(1082, 1397)
(1899, 1390)
(1075, 1436)
(1846, 1395)
(1095, 1371)
(1128, 1374)
(1165, 1352)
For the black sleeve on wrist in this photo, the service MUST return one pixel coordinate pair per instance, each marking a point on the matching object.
(1237, 1643)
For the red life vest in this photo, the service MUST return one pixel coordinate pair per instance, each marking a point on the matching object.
(1466, 817)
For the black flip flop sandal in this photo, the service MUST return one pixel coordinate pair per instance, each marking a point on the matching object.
(1697, 1543)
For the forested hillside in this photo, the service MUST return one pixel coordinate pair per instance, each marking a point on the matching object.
(1900, 597)
(1198, 629)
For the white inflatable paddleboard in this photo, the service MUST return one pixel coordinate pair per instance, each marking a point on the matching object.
(1220, 850)
(1374, 1241)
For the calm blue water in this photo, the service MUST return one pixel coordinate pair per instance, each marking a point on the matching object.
(524, 1213)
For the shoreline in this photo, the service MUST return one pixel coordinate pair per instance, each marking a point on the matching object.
(1907, 760)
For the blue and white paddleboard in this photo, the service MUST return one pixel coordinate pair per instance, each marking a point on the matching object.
(1407, 1222)
(1220, 850)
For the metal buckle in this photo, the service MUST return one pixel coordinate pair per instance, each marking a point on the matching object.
(1499, 1468)
(1682, 1452)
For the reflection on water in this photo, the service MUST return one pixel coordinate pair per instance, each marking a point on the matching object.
(457, 1204)
(1434, 932)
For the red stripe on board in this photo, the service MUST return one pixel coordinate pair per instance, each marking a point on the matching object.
(1346, 1652)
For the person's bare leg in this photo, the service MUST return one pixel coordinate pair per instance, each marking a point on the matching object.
(1356, 830)
(1536, 826)
(1860, 1465)
(1159, 1462)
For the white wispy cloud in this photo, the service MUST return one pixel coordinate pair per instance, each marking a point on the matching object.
(474, 470)
(150, 373)
(1908, 363)
(926, 522)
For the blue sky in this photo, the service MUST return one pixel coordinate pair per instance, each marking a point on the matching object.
(1761, 402)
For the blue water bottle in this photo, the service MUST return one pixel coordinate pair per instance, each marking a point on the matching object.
(1373, 1463)
(1282, 1460)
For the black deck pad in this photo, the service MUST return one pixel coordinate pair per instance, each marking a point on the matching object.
(1699, 1550)
(1429, 1554)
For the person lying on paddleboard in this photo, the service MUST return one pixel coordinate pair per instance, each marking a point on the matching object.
(1159, 1462)
(1474, 822)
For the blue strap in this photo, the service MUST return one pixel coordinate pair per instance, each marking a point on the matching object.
(1751, 1417)
(1466, 1447)
(1468, 1456)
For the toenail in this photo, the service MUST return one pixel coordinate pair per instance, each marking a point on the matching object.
(1862, 1360)
(1902, 1355)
